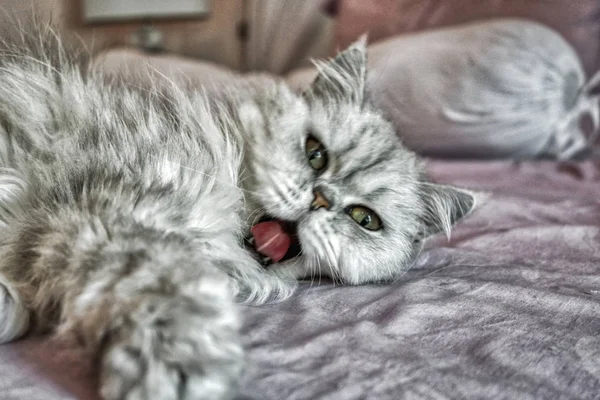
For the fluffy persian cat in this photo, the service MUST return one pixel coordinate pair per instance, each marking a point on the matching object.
(134, 218)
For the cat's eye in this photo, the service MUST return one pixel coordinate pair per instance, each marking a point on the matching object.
(365, 217)
(316, 154)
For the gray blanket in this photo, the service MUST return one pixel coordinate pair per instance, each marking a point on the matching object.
(508, 309)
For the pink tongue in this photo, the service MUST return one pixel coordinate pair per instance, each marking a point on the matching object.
(271, 240)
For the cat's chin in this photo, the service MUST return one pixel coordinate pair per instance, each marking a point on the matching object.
(279, 231)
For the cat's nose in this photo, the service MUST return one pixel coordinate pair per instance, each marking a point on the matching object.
(320, 201)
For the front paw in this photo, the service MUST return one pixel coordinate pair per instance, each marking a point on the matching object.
(14, 316)
(175, 349)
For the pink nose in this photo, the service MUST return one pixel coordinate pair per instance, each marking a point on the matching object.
(319, 201)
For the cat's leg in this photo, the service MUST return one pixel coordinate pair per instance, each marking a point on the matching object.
(154, 308)
(162, 320)
(14, 316)
(154, 340)
(180, 345)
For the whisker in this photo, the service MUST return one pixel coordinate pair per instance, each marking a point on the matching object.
(254, 216)
(331, 258)
(320, 269)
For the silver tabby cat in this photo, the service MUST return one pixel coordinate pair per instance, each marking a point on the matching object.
(134, 218)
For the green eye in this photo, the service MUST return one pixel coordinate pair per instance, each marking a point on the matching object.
(316, 153)
(365, 217)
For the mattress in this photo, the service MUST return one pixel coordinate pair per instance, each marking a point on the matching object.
(509, 308)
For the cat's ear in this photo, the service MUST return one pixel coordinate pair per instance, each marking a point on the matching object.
(444, 207)
(343, 78)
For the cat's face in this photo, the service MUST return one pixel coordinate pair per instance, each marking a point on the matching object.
(329, 173)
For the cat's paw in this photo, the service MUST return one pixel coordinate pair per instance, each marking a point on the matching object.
(14, 316)
(176, 348)
(13, 189)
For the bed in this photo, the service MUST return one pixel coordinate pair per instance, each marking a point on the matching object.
(508, 308)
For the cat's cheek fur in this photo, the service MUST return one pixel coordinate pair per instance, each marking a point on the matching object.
(285, 200)
(379, 260)
(320, 247)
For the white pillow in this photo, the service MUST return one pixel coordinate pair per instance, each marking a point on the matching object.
(503, 88)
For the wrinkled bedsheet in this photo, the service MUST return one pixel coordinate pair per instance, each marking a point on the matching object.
(509, 308)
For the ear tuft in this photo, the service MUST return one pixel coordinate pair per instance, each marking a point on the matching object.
(344, 77)
(445, 206)
(361, 43)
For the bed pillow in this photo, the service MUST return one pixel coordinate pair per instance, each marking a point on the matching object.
(577, 20)
(495, 89)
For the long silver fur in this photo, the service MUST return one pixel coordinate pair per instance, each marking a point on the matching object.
(123, 209)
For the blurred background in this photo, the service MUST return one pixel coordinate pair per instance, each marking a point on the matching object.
(278, 35)
(542, 112)
(235, 33)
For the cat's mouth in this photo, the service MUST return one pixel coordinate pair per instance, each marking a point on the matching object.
(273, 240)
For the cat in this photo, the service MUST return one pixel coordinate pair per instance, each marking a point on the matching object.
(135, 218)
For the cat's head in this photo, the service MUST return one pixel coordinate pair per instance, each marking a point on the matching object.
(327, 172)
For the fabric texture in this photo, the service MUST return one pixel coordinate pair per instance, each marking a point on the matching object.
(578, 21)
(509, 308)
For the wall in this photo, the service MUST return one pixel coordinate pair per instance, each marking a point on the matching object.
(214, 38)
(283, 34)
